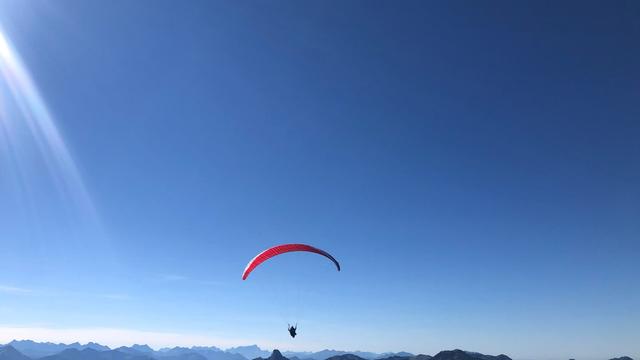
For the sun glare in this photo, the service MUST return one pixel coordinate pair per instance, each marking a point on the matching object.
(30, 127)
(5, 51)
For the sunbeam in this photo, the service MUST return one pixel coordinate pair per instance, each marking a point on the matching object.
(26, 123)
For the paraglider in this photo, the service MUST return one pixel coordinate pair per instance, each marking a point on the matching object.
(281, 249)
(292, 330)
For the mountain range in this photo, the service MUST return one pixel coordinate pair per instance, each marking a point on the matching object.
(31, 350)
(37, 350)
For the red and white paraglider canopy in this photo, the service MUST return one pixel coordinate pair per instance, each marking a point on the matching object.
(281, 249)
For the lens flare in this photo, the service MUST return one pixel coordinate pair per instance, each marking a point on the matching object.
(29, 135)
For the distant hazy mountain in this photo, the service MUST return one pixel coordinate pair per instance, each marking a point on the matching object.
(345, 357)
(8, 352)
(250, 352)
(402, 354)
(38, 350)
(175, 351)
(218, 354)
(190, 355)
(142, 348)
(406, 357)
(205, 348)
(297, 355)
(466, 355)
(34, 349)
(92, 354)
(92, 345)
(326, 354)
(118, 355)
(75, 354)
(27, 350)
(132, 351)
(196, 353)
(443, 355)
(30, 350)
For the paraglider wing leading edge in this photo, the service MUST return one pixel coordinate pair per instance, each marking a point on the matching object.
(281, 249)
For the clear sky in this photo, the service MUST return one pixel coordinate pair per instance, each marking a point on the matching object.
(474, 166)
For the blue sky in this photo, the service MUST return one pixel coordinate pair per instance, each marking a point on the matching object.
(473, 166)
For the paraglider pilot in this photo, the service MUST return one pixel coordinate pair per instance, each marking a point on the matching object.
(292, 330)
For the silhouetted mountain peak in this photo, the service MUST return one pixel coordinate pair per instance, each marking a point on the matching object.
(622, 358)
(276, 355)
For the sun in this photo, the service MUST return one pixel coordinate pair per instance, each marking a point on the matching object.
(5, 50)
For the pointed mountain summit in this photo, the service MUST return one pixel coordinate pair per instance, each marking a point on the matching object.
(275, 355)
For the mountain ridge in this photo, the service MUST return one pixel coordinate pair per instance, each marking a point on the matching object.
(32, 350)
